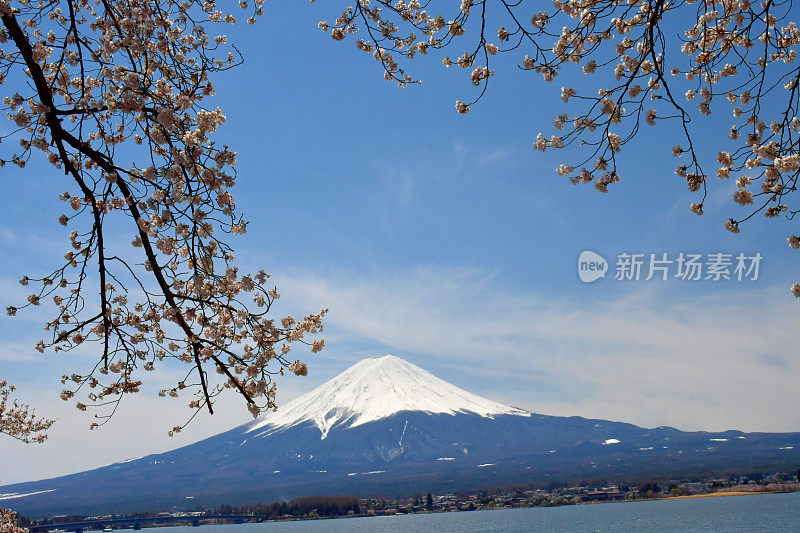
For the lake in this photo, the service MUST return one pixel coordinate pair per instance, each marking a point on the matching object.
(763, 512)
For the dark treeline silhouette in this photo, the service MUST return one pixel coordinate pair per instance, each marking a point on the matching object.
(319, 505)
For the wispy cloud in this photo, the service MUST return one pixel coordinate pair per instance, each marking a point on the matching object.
(7, 236)
(472, 152)
(16, 352)
(699, 362)
(72, 447)
(401, 187)
(652, 359)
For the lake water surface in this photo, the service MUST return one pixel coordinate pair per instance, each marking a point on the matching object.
(764, 512)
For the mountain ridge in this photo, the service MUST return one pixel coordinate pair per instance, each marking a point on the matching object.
(375, 448)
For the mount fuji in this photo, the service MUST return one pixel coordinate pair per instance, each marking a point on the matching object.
(374, 389)
(387, 427)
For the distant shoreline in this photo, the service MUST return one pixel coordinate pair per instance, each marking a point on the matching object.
(209, 521)
(724, 493)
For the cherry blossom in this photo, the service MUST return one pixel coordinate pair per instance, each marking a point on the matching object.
(8, 522)
(733, 57)
(80, 79)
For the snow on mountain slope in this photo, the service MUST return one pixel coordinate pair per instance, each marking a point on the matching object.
(377, 388)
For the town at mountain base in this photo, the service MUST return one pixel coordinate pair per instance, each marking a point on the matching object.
(388, 427)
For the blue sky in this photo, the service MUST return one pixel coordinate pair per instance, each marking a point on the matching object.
(449, 241)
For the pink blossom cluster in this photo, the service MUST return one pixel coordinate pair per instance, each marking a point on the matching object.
(82, 79)
(735, 53)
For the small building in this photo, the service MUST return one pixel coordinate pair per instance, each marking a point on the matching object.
(602, 495)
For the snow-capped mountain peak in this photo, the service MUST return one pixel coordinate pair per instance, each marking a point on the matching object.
(377, 388)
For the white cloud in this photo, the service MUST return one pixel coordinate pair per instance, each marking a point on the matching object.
(138, 428)
(698, 362)
(7, 236)
(17, 352)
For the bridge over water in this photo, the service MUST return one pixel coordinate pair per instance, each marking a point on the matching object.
(136, 523)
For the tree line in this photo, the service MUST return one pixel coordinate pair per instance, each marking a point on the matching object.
(323, 506)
